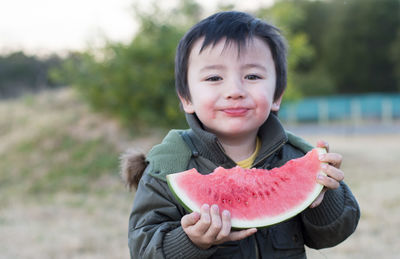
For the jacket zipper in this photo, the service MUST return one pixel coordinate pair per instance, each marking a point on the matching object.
(270, 153)
(256, 246)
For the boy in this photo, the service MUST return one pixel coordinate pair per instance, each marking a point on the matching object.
(230, 78)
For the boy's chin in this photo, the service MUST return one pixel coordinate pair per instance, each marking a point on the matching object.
(235, 133)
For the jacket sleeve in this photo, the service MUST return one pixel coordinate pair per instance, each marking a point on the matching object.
(154, 224)
(334, 220)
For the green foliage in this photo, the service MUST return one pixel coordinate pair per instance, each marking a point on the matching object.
(135, 82)
(353, 45)
(395, 54)
(353, 41)
(359, 45)
(20, 73)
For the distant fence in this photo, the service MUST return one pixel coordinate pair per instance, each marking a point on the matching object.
(354, 108)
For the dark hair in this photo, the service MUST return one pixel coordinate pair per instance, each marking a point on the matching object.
(236, 27)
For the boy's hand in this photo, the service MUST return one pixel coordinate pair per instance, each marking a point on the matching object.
(333, 173)
(210, 228)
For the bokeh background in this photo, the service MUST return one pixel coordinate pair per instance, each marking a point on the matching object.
(83, 81)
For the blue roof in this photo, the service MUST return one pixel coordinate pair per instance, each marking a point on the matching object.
(344, 107)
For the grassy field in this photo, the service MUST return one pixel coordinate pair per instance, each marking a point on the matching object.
(61, 195)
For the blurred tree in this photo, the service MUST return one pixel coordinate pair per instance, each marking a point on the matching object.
(395, 53)
(21, 73)
(314, 77)
(135, 82)
(353, 43)
(356, 49)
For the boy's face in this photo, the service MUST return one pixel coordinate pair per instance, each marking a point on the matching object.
(231, 93)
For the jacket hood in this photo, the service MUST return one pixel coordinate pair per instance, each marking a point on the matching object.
(168, 156)
(132, 165)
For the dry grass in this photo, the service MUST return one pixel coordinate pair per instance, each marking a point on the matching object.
(67, 226)
(93, 223)
(371, 165)
(60, 192)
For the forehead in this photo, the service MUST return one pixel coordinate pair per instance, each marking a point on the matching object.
(250, 48)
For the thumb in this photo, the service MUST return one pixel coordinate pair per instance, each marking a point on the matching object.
(190, 219)
(319, 199)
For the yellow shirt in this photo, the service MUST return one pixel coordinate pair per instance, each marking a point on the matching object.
(248, 162)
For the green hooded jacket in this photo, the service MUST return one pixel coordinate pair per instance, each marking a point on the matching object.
(154, 224)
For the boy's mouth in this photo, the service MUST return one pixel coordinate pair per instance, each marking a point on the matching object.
(235, 112)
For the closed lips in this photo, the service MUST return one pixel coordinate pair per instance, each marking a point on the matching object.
(235, 110)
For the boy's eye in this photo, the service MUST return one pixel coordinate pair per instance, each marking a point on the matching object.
(252, 77)
(214, 78)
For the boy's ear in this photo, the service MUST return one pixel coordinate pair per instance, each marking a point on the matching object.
(186, 104)
(277, 104)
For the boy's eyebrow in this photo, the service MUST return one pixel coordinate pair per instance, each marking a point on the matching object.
(255, 65)
(212, 67)
(222, 67)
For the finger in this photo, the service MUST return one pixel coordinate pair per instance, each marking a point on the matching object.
(238, 235)
(226, 225)
(203, 224)
(327, 181)
(190, 219)
(332, 158)
(323, 144)
(216, 223)
(333, 172)
(319, 199)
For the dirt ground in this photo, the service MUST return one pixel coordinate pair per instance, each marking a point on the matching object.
(73, 225)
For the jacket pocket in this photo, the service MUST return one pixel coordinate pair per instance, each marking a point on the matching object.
(287, 239)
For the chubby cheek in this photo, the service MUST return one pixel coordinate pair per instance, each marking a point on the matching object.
(263, 106)
(204, 102)
(204, 107)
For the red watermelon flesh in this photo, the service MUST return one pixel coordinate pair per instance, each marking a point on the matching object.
(255, 197)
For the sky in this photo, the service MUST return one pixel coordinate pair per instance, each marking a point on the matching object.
(58, 25)
(45, 26)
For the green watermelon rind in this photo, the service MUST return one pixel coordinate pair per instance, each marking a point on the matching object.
(173, 188)
(255, 223)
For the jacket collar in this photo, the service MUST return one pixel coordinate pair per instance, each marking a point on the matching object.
(272, 136)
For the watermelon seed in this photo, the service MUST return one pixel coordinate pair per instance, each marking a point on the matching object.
(230, 202)
(246, 203)
(273, 189)
(267, 193)
(261, 195)
(284, 178)
(254, 195)
(276, 183)
(216, 197)
(238, 200)
(223, 200)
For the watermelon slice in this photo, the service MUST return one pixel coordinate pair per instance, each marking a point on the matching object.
(254, 197)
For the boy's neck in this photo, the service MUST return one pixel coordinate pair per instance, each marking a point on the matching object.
(239, 148)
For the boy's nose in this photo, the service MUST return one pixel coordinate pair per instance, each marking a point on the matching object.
(234, 89)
